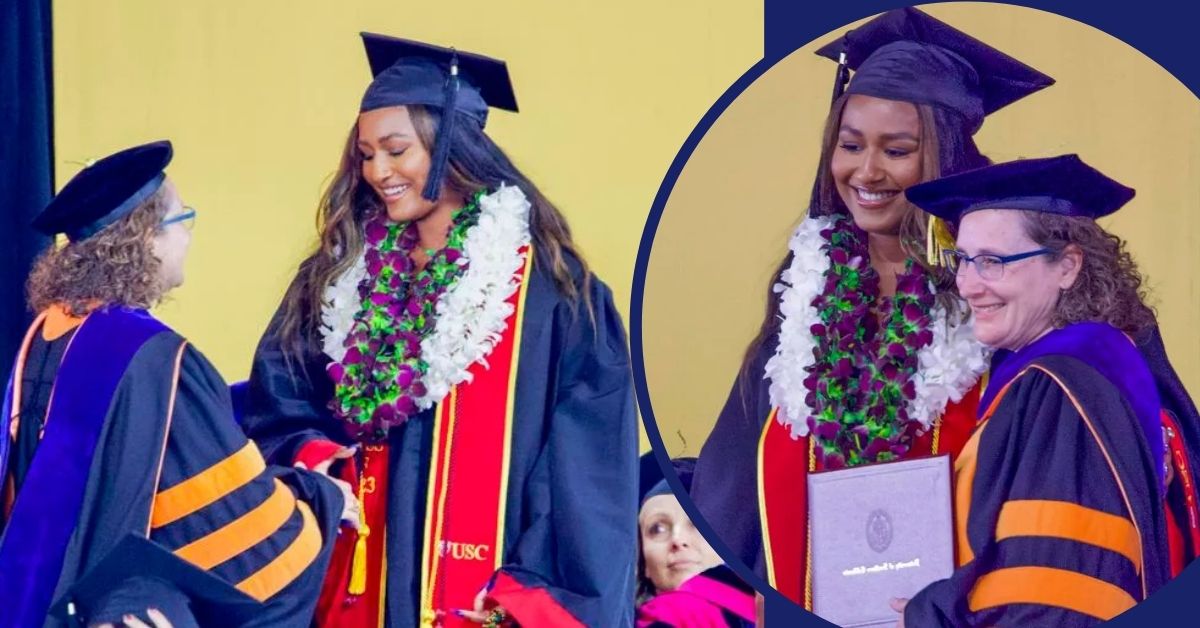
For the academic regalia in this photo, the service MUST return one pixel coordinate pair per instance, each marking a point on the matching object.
(139, 438)
(520, 474)
(570, 516)
(1182, 429)
(1059, 517)
(1059, 496)
(714, 598)
(756, 447)
(732, 493)
(138, 569)
(200, 488)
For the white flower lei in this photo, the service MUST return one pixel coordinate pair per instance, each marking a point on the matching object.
(947, 367)
(472, 314)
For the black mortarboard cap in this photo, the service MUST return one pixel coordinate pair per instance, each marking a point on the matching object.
(1062, 185)
(459, 83)
(651, 481)
(907, 55)
(105, 191)
(146, 574)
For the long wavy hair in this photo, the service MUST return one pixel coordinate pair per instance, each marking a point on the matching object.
(1109, 286)
(116, 266)
(475, 163)
(946, 148)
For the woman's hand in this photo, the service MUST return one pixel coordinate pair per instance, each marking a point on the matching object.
(351, 509)
(482, 615)
(898, 604)
(351, 514)
(323, 466)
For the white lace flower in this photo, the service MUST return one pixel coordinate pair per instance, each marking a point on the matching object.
(472, 315)
(798, 284)
(340, 304)
(947, 367)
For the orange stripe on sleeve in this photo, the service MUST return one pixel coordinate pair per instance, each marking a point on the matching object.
(964, 483)
(286, 567)
(1066, 520)
(208, 486)
(1050, 587)
(242, 533)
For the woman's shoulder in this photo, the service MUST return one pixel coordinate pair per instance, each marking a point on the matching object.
(548, 275)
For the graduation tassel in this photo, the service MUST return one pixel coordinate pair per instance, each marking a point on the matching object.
(441, 147)
(937, 240)
(843, 71)
(358, 566)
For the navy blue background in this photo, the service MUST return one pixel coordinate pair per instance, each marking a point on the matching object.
(1164, 31)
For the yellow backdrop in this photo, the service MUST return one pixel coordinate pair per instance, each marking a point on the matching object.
(726, 225)
(258, 97)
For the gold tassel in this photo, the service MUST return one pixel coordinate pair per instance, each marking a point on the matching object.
(937, 240)
(358, 567)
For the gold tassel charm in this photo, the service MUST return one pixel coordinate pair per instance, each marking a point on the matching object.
(358, 568)
(358, 565)
(937, 240)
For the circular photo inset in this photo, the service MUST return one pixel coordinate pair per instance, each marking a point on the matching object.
(916, 303)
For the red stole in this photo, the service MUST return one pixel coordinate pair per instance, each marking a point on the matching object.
(463, 542)
(468, 478)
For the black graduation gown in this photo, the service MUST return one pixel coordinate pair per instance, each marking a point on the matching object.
(169, 462)
(1059, 515)
(1179, 405)
(725, 482)
(571, 510)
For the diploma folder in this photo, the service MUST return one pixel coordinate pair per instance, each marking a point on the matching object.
(878, 532)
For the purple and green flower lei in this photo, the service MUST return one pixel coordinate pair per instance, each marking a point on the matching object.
(379, 380)
(861, 380)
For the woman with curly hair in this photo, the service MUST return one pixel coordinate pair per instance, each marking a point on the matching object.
(116, 426)
(1060, 490)
(447, 351)
(865, 352)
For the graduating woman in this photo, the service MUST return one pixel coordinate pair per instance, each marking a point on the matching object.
(447, 350)
(865, 353)
(115, 426)
(1059, 492)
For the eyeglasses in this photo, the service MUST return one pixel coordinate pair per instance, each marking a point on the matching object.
(188, 218)
(990, 267)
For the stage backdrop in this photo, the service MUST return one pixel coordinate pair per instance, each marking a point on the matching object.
(258, 98)
(726, 225)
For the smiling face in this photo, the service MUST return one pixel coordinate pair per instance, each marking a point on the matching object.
(878, 155)
(394, 162)
(672, 548)
(1017, 308)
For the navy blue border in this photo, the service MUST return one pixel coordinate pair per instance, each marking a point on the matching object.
(1162, 30)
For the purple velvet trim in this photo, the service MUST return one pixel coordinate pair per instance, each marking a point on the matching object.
(46, 511)
(1105, 349)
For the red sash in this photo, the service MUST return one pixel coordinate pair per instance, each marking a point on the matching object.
(468, 478)
(783, 466)
(1189, 527)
